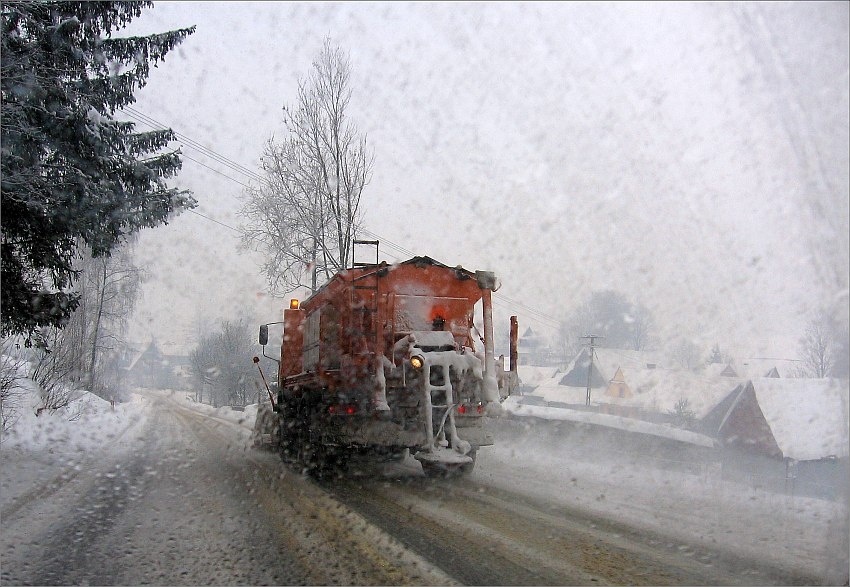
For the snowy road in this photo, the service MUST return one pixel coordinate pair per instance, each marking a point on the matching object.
(189, 504)
(484, 535)
(181, 499)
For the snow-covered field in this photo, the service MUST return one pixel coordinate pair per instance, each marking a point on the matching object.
(541, 460)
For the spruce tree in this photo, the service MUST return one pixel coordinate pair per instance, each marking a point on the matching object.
(71, 173)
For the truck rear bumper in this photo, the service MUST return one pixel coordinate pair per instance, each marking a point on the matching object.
(387, 433)
(475, 435)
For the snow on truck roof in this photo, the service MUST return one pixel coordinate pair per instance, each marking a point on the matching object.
(432, 339)
(360, 271)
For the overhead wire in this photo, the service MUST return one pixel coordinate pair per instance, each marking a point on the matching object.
(138, 116)
(155, 124)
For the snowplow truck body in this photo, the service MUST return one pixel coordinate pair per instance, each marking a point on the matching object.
(383, 358)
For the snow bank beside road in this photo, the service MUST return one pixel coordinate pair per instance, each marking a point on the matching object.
(514, 406)
(48, 449)
(86, 424)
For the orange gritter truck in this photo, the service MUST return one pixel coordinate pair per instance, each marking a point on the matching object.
(383, 360)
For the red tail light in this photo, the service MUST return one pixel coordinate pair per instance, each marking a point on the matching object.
(470, 410)
(339, 409)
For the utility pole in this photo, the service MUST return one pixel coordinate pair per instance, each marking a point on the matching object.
(592, 338)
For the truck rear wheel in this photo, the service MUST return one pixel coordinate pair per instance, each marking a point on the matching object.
(319, 456)
(289, 433)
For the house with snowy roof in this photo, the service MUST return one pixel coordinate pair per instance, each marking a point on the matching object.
(606, 362)
(721, 370)
(797, 419)
(766, 415)
(756, 368)
(534, 349)
(157, 365)
(635, 384)
(531, 376)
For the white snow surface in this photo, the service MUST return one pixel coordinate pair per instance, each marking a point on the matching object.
(790, 531)
(36, 450)
(88, 423)
(798, 532)
(655, 390)
(512, 406)
(808, 417)
(533, 376)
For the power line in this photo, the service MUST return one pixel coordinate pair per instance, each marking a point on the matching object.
(157, 125)
(215, 171)
(242, 232)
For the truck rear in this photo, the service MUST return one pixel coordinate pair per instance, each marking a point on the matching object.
(383, 360)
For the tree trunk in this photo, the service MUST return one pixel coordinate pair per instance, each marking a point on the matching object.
(101, 293)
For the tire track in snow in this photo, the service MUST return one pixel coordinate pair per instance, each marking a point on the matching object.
(331, 543)
(48, 488)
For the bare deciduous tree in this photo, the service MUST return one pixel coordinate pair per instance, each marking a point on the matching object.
(687, 353)
(818, 346)
(54, 368)
(841, 363)
(86, 352)
(608, 314)
(12, 373)
(641, 325)
(221, 363)
(108, 290)
(304, 215)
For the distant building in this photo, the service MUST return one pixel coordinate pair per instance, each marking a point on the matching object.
(606, 363)
(533, 349)
(149, 366)
(771, 416)
(757, 368)
(720, 370)
(618, 387)
(636, 384)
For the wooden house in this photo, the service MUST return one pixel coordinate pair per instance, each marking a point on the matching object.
(798, 419)
(618, 387)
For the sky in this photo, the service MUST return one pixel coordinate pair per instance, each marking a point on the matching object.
(692, 156)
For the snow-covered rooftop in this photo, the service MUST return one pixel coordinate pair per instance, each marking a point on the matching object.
(609, 360)
(656, 390)
(808, 417)
(753, 368)
(534, 376)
